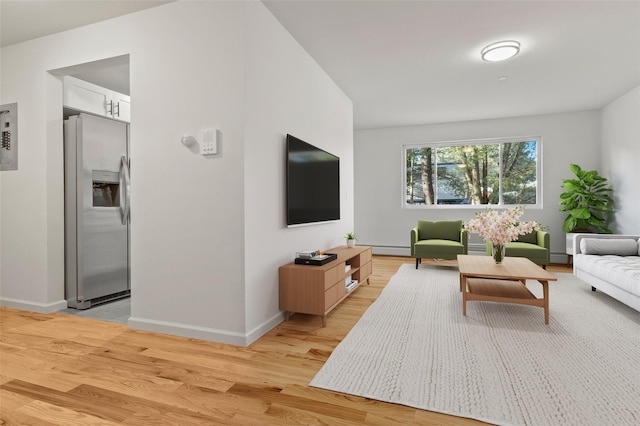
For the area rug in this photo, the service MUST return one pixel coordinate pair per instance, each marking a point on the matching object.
(501, 363)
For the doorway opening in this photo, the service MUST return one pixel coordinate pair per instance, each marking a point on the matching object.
(96, 96)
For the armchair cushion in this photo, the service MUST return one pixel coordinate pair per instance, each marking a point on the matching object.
(533, 252)
(439, 230)
(439, 249)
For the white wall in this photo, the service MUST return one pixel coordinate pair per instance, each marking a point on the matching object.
(302, 100)
(187, 223)
(620, 153)
(383, 223)
(26, 272)
(189, 227)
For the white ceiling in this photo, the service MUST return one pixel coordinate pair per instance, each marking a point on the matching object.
(22, 20)
(418, 62)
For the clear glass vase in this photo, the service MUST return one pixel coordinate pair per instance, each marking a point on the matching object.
(497, 252)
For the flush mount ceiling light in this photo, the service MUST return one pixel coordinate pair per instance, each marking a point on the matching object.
(500, 51)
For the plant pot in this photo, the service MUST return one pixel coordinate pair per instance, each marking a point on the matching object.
(351, 243)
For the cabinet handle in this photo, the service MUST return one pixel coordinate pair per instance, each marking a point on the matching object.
(110, 108)
(117, 113)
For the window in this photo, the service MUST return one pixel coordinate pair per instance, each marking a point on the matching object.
(478, 172)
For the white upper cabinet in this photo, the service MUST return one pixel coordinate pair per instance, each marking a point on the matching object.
(121, 107)
(84, 96)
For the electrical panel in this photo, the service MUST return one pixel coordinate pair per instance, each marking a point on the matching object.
(9, 137)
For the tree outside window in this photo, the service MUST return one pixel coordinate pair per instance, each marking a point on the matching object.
(499, 172)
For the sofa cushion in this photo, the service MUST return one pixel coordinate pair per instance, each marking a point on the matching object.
(614, 246)
(439, 230)
(620, 271)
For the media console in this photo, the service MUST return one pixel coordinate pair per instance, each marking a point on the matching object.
(316, 290)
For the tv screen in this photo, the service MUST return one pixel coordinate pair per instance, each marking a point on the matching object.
(313, 183)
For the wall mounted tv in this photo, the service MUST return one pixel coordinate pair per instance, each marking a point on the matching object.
(313, 183)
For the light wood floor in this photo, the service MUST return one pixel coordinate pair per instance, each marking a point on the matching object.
(58, 369)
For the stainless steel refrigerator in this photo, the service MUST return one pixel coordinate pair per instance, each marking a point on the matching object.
(97, 197)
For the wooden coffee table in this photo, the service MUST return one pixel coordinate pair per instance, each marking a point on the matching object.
(482, 279)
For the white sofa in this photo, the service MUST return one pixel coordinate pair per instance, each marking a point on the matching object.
(609, 263)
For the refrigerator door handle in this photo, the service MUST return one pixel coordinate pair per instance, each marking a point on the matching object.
(125, 189)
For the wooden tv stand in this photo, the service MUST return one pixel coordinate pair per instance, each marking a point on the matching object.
(316, 290)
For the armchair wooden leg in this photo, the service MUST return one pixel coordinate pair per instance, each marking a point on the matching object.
(417, 262)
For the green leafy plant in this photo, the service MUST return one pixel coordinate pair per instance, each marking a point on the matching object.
(350, 236)
(588, 201)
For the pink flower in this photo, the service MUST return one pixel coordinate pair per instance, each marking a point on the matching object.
(500, 228)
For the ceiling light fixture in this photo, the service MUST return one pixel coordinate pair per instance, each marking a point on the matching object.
(500, 51)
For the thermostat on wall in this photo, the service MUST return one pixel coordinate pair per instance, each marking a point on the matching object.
(209, 138)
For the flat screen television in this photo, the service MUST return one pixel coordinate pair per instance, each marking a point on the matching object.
(313, 183)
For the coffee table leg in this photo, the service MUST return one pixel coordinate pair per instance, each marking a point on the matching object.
(545, 289)
(464, 296)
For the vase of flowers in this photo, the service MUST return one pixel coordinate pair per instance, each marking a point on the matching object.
(500, 228)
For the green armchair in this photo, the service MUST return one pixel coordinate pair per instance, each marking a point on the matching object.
(535, 246)
(443, 239)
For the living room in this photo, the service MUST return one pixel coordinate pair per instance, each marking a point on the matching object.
(214, 281)
(207, 243)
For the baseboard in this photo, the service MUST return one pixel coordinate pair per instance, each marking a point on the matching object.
(264, 328)
(41, 308)
(406, 251)
(474, 249)
(205, 333)
(391, 250)
(185, 330)
(558, 258)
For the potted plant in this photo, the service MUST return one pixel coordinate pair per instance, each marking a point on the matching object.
(587, 199)
(351, 239)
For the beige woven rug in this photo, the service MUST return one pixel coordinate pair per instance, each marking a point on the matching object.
(501, 363)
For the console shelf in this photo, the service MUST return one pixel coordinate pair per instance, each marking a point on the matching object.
(316, 290)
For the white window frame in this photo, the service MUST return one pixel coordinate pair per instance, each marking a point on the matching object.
(491, 141)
